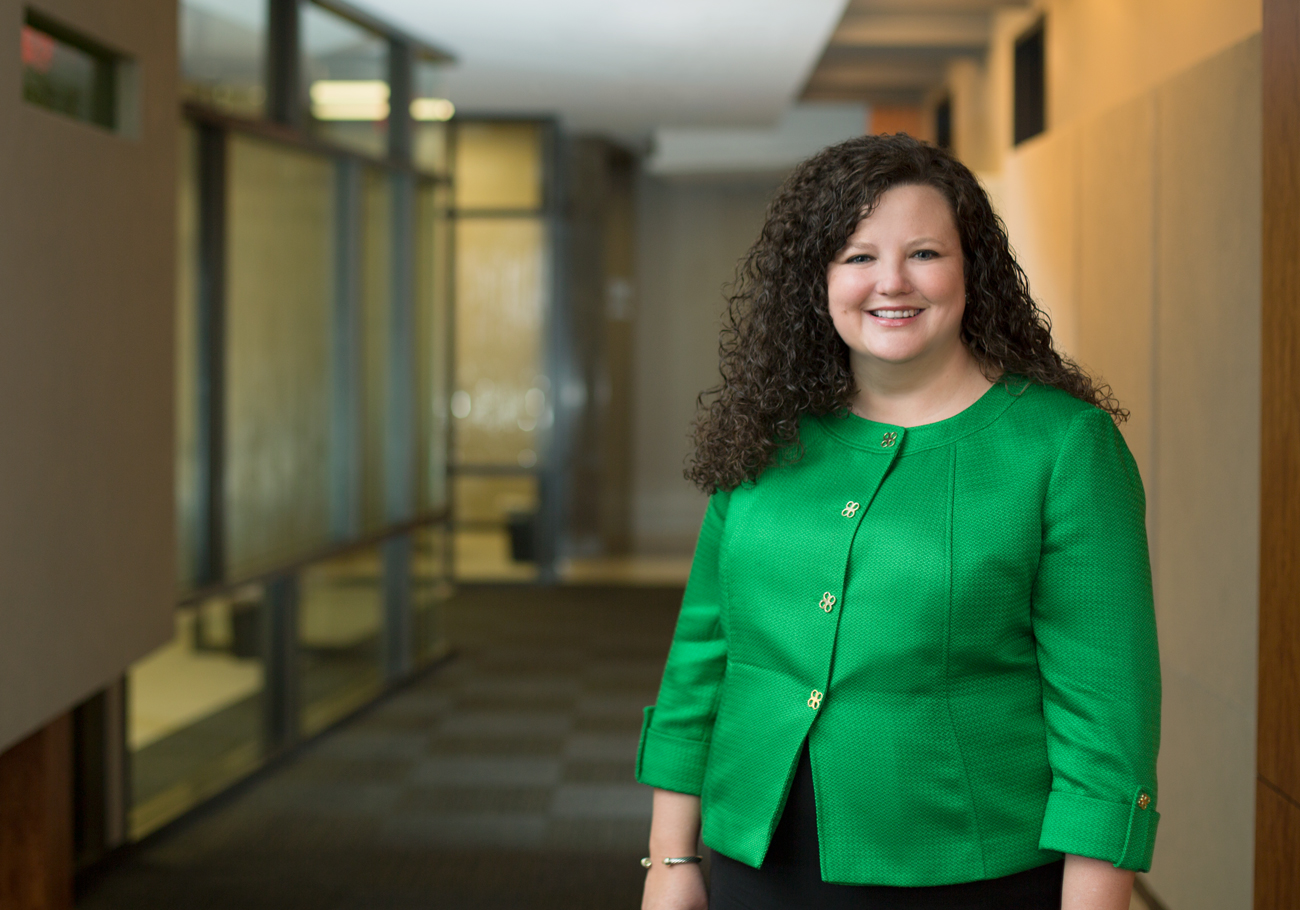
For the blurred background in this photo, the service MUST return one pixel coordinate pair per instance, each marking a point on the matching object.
(348, 355)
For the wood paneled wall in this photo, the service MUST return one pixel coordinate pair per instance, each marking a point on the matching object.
(36, 820)
(1277, 824)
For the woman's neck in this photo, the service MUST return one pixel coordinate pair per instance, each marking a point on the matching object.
(907, 396)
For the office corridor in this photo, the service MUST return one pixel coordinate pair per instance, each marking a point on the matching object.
(502, 779)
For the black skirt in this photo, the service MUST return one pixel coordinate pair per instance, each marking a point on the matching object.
(791, 875)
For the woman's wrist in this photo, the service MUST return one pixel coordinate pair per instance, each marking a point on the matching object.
(675, 828)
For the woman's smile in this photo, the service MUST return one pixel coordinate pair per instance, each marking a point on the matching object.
(894, 316)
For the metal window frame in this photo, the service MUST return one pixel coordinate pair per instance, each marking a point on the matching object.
(553, 447)
(285, 126)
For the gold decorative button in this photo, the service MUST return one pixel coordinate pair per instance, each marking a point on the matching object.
(1143, 801)
(827, 602)
(815, 700)
(851, 509)
(888, 441)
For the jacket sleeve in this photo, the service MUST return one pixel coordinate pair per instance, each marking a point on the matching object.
(676, 731)
(1094, 621)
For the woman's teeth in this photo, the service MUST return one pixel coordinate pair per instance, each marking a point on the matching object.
(894, 314)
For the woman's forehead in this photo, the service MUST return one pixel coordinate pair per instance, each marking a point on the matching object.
(908, 205)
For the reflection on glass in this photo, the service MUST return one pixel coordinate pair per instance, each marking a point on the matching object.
(75, 79)
(501, 398)
(430, 587)
(279, 286)
(340, 621)
(376, 299)
(429, 147)
(432, 350)
(345, 68)
(499, 166)
(490, 500)
(485, 556)
(223, 54)
(429, 111)
(187, 357)
(195, 721)
(495, 527)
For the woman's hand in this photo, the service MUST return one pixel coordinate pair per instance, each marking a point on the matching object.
(1094, 884)
(674, 831)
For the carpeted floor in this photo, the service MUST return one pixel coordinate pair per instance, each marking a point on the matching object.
(502, 779)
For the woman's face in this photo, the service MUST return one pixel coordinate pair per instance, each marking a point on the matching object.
(897, 289)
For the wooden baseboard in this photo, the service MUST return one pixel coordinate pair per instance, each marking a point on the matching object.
(36, 820)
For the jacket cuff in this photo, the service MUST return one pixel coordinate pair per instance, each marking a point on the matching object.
(670, 762)
(1120, 833)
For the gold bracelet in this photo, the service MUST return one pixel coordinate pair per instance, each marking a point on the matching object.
(647, 862)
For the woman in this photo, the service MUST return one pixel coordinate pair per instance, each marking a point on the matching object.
(916, 662)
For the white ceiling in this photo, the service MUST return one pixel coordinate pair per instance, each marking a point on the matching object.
(624, 67)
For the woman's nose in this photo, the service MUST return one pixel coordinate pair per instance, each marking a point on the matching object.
(892, 278)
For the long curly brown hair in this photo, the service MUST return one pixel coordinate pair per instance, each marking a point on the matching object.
(781, 356)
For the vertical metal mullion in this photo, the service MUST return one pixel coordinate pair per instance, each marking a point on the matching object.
(399, 438)
(399, 442)
(345, 393)
(398, 621)
(400, 93)
(558, 364)
(281, 697)
(449, 353)
(210, 558)
(283, 66)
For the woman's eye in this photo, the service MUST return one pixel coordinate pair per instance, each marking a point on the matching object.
(860, 257)
(925, 254)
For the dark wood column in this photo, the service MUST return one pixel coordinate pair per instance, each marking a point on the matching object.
(36, 821)
(1277, 823)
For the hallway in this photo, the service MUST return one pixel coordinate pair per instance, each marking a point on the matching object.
(501, 779)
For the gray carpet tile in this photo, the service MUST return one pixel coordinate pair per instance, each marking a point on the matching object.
(502, 779)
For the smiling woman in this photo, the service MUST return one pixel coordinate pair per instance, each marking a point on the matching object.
(896, 294)
(781, 352)
(915, 664)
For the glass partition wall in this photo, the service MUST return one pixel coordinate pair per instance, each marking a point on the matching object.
(313, 388)
(502, 404)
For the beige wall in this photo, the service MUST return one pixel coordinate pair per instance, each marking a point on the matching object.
(87, 233)
(1137, 217)
(1100, 54)
(691, 233)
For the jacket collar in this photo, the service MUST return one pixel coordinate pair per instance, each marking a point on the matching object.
(885, 438)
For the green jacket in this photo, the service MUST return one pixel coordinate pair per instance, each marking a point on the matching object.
(957, 616)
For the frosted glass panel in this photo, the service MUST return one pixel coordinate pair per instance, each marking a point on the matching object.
(432, 350)
(195, 712)
(376, 300)
(430, 587)
(489, 500)
(430, 106)
(499, 166)
(223, 54)
(279, 286)
(501, 398)
(429, 147)
(346, 71)
(188, 514)
(340, 620)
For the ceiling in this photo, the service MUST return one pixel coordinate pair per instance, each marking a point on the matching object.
(896, 51)
(621, 67)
